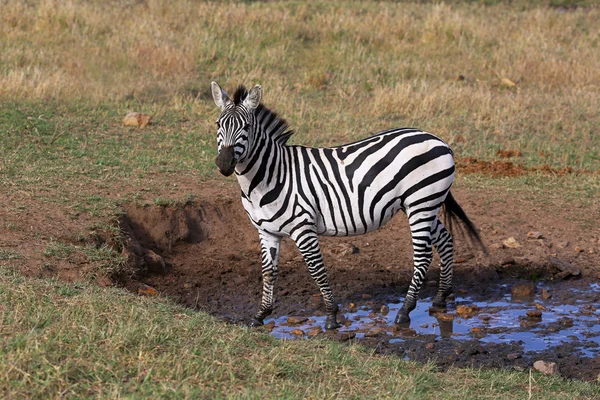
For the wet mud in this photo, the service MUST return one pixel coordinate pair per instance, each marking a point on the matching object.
(206, 256)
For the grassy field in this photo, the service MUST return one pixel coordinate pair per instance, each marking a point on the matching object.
(486, 76)
(64, 340)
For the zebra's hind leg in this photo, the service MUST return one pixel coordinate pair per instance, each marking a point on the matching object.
(270, 254)
(308, 244)
(444, 244)
(420, 227)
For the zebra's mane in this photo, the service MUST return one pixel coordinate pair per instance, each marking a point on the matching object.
(274, 125)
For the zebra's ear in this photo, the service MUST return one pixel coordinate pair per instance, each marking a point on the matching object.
(219, 96)
(253, 99)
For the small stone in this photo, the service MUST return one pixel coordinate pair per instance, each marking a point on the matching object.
(145, 290)
(546, 367)
(534, 235)
(345, 336)
(270, 326)
(546, 294)
(563, 245)
(476, 329)
(496, 246)
(366, 296)
(462, 291)
(188, 285)
(540, 306)
(525, 289)
(424, 326)
(297, 332)
(314, 331)
(511, 243)
(293, 320)
(374, 332)
(467, 311)
(579, 249)
(567, 269)
(405, 332)
(445, 317)
(136, 119)
(429, 346)
(513, 356)
(384, 310)
(534, 314)
(316, 295)
(565, 322)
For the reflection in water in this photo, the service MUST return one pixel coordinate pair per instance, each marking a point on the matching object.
(500, 320)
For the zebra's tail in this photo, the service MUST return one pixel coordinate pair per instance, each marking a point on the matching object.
(454, 211)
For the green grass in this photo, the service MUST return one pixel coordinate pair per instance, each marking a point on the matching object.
(77, 340)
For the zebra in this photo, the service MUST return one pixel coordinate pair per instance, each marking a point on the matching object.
(301, 193)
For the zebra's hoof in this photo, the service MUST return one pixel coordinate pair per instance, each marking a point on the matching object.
(402, 319)
(255, 323)
(331, 324)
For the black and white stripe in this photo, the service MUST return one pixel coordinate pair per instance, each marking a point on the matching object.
(303, 192)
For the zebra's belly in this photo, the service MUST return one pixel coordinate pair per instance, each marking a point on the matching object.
(354, 222)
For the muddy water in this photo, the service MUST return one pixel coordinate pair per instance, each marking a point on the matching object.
(529, 326)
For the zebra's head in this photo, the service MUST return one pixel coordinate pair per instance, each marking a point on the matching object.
(234, 125)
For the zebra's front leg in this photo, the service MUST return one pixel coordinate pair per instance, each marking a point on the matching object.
(308, 244)
(270, 254)
(422, 255)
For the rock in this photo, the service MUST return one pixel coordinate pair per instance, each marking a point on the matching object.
(384, 310)
(352, 307)
(476, 329)
(462, 291)
(540, 306)
(145, 290)
(467, 311)
(293, 320)
(534, 235)
(424, 326)
(445, 317)
(188, 285)
(513, 356)
(566, 269)
(511, 243)
(345, 336)
(270, 326)
(409, 332)
(563, 245)
(579, 249)
(314, 331)
(565, 322)
(136, 119)
(546, 367)
(297, 332)
(534, 314)
(366, 296)
(154, 262)
(374, 332)
(496, 246)
(546, 294)
(525, 289)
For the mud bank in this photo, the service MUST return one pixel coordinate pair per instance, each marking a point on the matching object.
(207, 257)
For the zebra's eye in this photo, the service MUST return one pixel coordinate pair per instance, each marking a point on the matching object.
(247, 127)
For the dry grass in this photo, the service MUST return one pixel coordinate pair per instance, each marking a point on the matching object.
(395, 63)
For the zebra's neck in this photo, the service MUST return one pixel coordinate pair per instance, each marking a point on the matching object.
(263, 169)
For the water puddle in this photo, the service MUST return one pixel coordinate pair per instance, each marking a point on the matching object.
(537, 323)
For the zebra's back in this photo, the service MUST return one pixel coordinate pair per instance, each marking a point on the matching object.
(356, 188)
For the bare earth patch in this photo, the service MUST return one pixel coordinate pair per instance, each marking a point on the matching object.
(205, 254)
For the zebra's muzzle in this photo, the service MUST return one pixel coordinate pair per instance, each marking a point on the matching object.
(226, 161)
